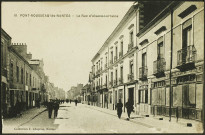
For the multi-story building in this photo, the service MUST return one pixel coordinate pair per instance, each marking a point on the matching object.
(24, 83)
(115, 64)
(22, 78)
(5, 42)
(171, 50)
(154, 57)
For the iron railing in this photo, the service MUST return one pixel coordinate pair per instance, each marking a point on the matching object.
(159, 65)
(186, 55)
(143, 72)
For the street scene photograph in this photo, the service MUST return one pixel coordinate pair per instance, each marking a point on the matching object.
(102, 67)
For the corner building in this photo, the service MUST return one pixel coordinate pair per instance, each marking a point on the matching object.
(155, 58)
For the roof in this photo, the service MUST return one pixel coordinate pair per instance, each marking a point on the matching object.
(5, 34)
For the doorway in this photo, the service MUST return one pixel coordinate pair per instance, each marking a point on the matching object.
(131, 95)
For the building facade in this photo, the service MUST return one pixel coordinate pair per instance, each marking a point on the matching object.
(22, 78)
(154, 57)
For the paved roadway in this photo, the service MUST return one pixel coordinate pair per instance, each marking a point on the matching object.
(82, 119)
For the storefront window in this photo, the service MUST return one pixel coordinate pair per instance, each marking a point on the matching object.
(167, 96)
(154, 97)
(189, 95)
(143, 96)
(177, 95)
(199, 102)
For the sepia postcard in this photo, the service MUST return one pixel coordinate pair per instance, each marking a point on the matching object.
(102, 67)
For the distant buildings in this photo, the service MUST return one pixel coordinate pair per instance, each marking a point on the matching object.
(75, 92)
(22, 77)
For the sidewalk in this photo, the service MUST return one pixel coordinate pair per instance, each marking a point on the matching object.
(163, 126)
(24, 118)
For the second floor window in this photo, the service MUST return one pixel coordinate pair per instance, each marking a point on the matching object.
(144, 60)
(111, 57)
(131, 67)
(122, 47)
(30, 79)
(22, 75)
(160, 48)
(121, 72)
(111, 76)
(116, 74)
(26, 78)
(11, 71)
(187, 36)
(131, 37)
(116, 52)
(17, 73)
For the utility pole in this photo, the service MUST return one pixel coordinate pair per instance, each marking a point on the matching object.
(170, 74)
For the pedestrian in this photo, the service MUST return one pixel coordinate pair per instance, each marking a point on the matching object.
(38, 102)
(50, 109)
(56, 107)
(129, 106)
(119, 108)
(76, 102)
(70, 101)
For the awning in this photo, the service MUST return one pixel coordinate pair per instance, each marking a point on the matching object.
(3, 79)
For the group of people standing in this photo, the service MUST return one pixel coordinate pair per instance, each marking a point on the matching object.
(53, 105)
(128, 105)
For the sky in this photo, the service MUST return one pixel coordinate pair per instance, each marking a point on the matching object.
(66, 44)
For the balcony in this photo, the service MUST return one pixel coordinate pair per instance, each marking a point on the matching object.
(106, 65)
(186, 58)
(111, 83)
(115, 58)
(143, 73)
(97, 87)
(93, 76)
(159, 67)
(130, 77)
(104, 86)
(120, 80)
(130, 46)
(111, 62)
(120, 54)
(4, 72)
(115, 82)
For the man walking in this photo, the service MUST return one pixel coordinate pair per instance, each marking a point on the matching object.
(76, 102)
(119, 108)
(56, 107)
(129, 106)
(50, 109)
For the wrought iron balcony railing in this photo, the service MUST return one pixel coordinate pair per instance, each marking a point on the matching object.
(130, 77)
(130, 46)
(111, 61)
(105, 65)
(115, 58)
(120, 54)
(120, 80)
(159, 67)
(186, 58)
(115, 82)
(4, 72)
(186, 55)
(143, 73)
(111, 83)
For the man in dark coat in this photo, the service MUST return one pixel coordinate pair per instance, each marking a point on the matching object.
(56, 107)
(129, 106)
(119, 108)
(50, 109)
(76, 102)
